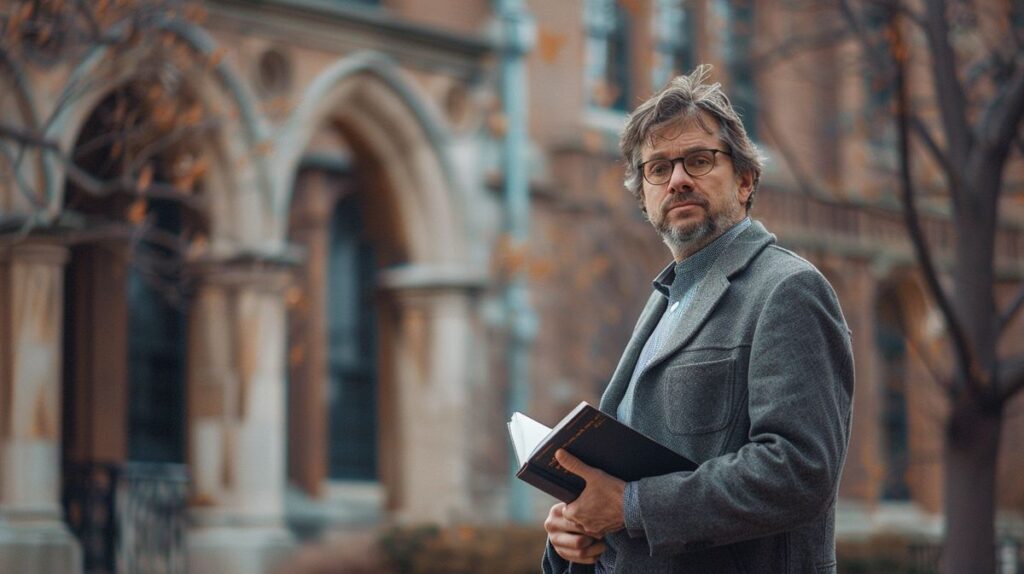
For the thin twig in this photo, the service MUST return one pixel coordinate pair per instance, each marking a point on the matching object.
(961, 347)
(1011, 311)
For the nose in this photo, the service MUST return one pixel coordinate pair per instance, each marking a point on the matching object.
(680, 180)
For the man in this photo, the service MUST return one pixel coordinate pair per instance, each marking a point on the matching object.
(740, 361)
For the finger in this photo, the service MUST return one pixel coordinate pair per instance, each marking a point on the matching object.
(571, 541)
(586, 555)
(557, 509)
(573, 464)
(555, 524)
(594, 550)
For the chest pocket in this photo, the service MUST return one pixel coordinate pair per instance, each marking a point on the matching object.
(698, 397)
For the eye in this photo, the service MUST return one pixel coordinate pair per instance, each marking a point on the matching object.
(699, 160)
(660, 168)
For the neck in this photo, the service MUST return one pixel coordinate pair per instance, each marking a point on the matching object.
(684, 250)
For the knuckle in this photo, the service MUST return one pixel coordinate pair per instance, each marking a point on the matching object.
(579, 542)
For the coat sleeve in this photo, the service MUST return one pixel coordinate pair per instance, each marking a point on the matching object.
(800, 386)
(555, 564)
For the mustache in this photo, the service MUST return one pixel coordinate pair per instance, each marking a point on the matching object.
(675, 200)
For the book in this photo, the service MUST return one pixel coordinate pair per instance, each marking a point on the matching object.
(594, 437)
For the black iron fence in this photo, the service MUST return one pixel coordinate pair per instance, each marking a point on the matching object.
(129, 518)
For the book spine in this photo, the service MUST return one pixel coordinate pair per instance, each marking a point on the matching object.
(549, 483)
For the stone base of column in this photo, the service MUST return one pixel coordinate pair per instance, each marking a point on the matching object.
(38, 546)
(238, 549)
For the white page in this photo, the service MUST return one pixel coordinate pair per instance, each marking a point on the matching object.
(526, 434)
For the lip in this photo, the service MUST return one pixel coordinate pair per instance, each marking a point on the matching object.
(686, 205)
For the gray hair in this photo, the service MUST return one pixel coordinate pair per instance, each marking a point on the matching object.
(688, 97)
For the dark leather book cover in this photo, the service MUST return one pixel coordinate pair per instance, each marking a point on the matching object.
(601, 441)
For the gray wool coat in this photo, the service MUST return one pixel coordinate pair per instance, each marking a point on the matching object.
(756, 386)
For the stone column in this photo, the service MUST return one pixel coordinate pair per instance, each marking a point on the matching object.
(427, 409)
(33, 536)
(311, 216)
(237, 419)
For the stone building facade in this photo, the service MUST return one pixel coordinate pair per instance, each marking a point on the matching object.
(334, 356)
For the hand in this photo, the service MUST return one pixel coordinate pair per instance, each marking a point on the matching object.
(598, 510)
(568, 540)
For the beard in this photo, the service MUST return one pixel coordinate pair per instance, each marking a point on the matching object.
(686, 236)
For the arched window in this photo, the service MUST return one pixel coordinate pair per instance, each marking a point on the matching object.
(352, 348)
(157, 346)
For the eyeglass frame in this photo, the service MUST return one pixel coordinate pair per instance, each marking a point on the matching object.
(682, 158)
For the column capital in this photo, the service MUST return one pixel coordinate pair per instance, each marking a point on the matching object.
(444, 277)
(261, 274)
(44, 252)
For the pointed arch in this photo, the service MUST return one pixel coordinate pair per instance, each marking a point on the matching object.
(367, 97)
(233, 167)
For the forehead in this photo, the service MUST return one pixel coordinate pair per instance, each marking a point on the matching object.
(681, 134)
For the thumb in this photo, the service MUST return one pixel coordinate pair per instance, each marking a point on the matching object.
(573, 464)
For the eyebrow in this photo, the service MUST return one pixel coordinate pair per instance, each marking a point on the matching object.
(664, 155)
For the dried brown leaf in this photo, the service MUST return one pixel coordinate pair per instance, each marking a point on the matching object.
(137, 211)
(145, 178)
(193, 115)
(215, 58)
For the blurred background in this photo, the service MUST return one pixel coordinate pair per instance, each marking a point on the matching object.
(274, 273)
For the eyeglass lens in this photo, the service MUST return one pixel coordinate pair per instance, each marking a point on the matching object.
(696, 164)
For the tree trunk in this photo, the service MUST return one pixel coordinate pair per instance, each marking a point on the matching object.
(971, 454)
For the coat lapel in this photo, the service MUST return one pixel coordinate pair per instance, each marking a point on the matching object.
(624, 372)
(710, 291)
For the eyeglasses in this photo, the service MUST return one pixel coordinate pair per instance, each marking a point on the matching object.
(696, 163)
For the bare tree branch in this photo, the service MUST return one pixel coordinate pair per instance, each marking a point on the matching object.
(1011, 378)
(876, 55)
(1011, 311)
(86, 10)
(797, 44)
(927, 360)
(26, 137)
(961, 347)
(175, 136)
(1001, 123)
(940, 155)
(948, 90)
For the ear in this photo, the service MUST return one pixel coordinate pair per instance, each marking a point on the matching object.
(745, 186)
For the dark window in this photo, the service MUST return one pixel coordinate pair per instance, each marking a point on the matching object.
(891, 343)
(609, 53)
(617, 67)
(737, 44)
(353, 348)
(156, 347)
(675, 51)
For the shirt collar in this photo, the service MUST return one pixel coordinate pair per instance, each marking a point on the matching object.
(677, 278)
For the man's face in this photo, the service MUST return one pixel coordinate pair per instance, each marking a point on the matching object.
(690, 212)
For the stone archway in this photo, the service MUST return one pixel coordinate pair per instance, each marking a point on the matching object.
(414, 202)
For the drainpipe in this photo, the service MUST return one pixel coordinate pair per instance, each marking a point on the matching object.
(518, 35)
